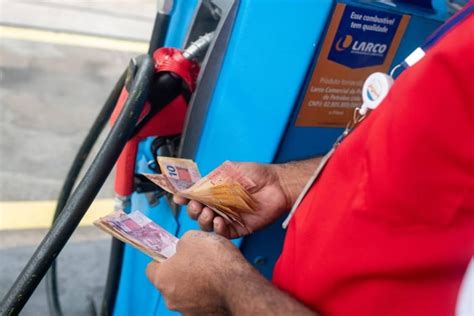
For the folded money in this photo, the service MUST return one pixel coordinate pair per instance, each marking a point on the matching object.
(225, 190)
(141, 232)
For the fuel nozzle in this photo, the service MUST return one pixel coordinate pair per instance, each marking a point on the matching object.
(176, 73)
(177, 70)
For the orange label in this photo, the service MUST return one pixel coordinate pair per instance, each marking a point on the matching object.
(359, 42)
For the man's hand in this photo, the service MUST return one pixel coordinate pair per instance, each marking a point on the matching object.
(268, 193)
(277, 187)
(209, 276)
(193, 281)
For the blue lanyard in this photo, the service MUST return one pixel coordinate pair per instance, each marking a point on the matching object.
(440, 32)
(448, 26)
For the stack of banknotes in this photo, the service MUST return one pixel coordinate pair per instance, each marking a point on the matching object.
(141, 232)
(225, 190)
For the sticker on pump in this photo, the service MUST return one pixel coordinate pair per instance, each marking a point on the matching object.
(360, 40)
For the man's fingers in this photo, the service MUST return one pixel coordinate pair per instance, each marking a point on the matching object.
(180, 200)
(194, 209)
(220, 227)
(205, 219)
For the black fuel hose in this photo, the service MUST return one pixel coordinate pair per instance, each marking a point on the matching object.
(83, 195)
(158, 35)
(71, 178)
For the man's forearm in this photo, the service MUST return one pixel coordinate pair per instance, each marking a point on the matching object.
(249, 293)
(293, 176)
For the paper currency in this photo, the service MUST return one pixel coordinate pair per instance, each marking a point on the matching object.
(141, 232)
(225, 190)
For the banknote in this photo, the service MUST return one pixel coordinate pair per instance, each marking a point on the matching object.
(180, 173)
(141, 232)
(225, 189)
(225, 173)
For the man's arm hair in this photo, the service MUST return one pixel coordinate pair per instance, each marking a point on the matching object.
(249, 293)
(293, 176)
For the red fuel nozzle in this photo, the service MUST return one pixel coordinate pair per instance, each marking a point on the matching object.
(164, 112)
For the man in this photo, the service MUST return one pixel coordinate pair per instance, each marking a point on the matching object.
(387, 229)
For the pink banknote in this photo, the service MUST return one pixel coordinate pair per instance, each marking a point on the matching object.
(141, 232)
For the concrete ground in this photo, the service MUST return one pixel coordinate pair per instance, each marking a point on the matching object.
(50, 94)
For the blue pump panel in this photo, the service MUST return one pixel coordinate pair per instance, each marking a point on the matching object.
(253, 105)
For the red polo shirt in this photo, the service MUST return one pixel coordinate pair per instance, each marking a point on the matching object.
(388, 229)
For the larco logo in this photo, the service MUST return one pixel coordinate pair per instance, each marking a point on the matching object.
(343, 43)
(363, 37)
(364, 48)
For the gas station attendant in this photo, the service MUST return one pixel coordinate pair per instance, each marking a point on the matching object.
(387, 229)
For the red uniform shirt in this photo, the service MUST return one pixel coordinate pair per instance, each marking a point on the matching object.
(388, 228)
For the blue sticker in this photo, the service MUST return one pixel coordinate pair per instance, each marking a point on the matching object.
(363, 37)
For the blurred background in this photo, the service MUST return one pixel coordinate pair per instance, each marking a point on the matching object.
(59, 59)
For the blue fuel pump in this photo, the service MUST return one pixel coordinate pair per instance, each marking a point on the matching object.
(278, 83)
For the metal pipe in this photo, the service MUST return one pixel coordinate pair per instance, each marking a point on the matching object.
(198, 47)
